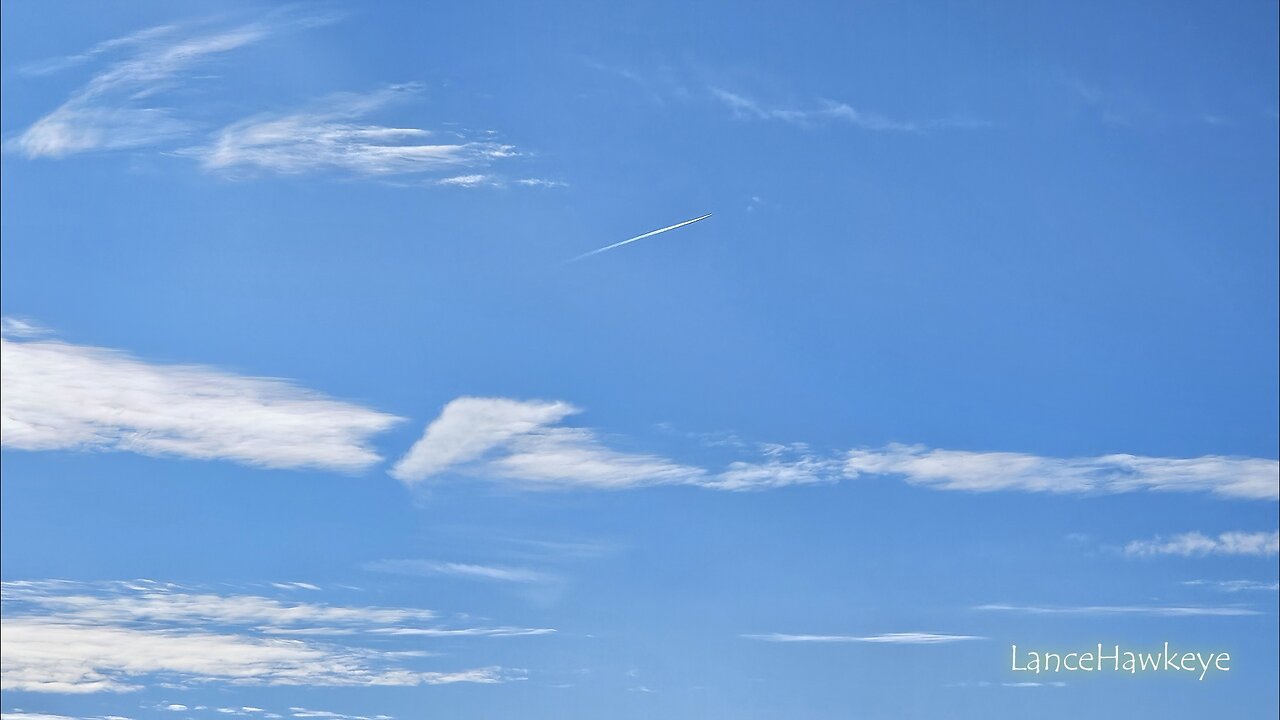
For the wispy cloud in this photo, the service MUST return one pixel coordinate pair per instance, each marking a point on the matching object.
(1235, 477)
(63, 637)
(20, 328)
(121, 107)
(301, 712)
(525, 442)
(494, 573)
(59, 396)
(904, 638)
(1235, 585)
(519, 441)
(1261, 544)
(21, 715)
(830, 111)
(117, 107)
(333, 135)
(1152, 610)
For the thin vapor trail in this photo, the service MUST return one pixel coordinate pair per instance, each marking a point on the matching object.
(641, 237)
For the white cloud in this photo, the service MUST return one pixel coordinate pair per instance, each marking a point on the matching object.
(469, 427)
(1153, 610)
(62, 637)
(554, 457)
(117, 603)
(518, 441)
(906, 638)
(19, 715)
(498, 573)
(332, 136)
(116, 109)
(21, 328)
(745, 107)
(1261, 544)
(1236, 477)
(541, 182)
(464, 632)
(782, 466)
(301, 712)
(59, 396)
(467, 181)
(521, 441)
(524, 442)
(1235, 585)
(294, 586)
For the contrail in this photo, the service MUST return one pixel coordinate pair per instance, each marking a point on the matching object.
(641, 237)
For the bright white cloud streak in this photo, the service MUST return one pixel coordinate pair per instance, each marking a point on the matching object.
(59, 396)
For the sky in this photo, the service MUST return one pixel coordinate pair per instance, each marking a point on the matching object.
(317, 402)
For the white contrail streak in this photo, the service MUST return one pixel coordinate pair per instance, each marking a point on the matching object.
(641, 237)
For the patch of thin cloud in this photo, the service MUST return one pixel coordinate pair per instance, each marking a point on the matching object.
(464, 632)
(830, 111)
(1235, 585)
(21, 715)
(115, 603)
(1102, 610)
(294, 586)
(60, 396)
(903, 638)
(541, 182)
(78, 638)
(783, 465)
(1233, 477)
(467, 181)
(494, 573)
(116, 108)
(334, 135)
(301, 712)
(1193, 544)
(58, 64)
(21, 328)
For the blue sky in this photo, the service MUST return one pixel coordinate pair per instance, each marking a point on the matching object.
(309, 413)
